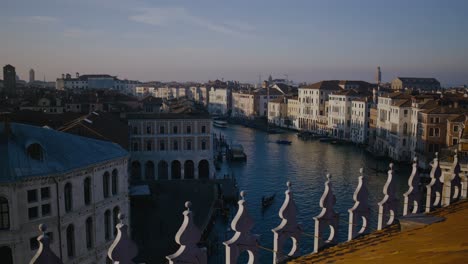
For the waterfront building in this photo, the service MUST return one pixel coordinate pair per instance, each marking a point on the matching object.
(433, 129)
(143, 91)
(339, 113)
(31, 76)
(76, 186)
(169, 146)
(243, 104)
(293, 112)
(423, 84)
(312, 99)
(393, 126)
(9, 80)
(455, 126)
(360, 115)
(278, 111)
(219, 101)
(261, 98)
(198, 94)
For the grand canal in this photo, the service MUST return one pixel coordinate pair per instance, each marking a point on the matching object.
(305, 164)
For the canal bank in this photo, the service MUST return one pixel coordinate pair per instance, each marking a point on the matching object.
(305, 163)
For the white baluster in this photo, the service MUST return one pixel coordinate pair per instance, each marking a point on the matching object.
(44, 254)
(388, 205)
(288, 229)
(187, 237)
(360, 210)
(327, 219)
(434, 188)
(242, 240)
(123, 250)
(413, 196)
(455, 181)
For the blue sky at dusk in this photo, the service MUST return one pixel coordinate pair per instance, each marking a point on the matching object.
(237, 40)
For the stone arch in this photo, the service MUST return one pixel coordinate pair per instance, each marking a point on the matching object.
(176, 170)
(163, 173)
(149, 170)
(6, 255)
(189, 169)
(136, 170)
(204, 169)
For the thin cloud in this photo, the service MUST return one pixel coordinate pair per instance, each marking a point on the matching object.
(167, 16)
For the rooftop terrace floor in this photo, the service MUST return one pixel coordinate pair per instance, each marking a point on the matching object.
(443, 242)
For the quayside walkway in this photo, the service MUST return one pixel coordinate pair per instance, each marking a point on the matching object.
(442, 242)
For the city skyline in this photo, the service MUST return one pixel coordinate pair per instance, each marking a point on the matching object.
(183, 41)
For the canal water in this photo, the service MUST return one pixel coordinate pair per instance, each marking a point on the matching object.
(305, 164)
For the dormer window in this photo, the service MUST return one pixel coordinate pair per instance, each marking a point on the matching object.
(35, 152)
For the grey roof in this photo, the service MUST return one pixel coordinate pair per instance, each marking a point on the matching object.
(62, 152)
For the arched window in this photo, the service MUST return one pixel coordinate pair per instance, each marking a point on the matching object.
(135, 146)
(70, 241)
(87, 191)
(115, 216)
(68, 197)
(161, 130)
(189, 129)
(115, 182)
(35, 152)
(405, 128)
(175, 145)
(136, 171)
(4, 214)
(203, 129)
(135, 130)
(149, 170)
(175, 129)
(89, 233)
(105, 184)
(189, 145)
(6, 255)
(107, 225)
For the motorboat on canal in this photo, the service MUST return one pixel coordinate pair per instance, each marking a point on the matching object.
(267, 201)
(283, 142)
(220, 123)
(236, 153)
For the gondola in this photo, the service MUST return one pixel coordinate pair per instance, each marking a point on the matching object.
(267, 201)
(283, 142)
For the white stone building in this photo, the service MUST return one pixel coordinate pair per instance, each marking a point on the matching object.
(243, 105)
(339, 113)
(278, 111)
(170, 146)
(394, 118)
(293, 112)
(313, 99)
(74, 185)
(360, 115)
(94, 81)
(219, 101)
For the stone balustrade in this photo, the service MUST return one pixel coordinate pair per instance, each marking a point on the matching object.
(123, 250)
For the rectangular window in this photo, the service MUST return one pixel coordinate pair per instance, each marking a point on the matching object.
(431, 132)
(33, 212)
(437, 132)
(455, 128)
(45, 193)
(32, 196)
(45, 209)
(454, 141)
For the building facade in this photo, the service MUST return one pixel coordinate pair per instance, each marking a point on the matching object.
(424, 84)
(243, 105)
(170, 146)
(74, 185)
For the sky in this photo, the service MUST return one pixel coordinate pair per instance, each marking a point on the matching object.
(174, 40)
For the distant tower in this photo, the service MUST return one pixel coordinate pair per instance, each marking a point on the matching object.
(9, 79)
(378, 76)
(31, 76)
(270, 79)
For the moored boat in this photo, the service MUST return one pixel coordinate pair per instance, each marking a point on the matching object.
(283, 142)
(267, 201)
(220, 123)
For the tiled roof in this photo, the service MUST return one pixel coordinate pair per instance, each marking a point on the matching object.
(62, 152)
(325, 85)
(445, 110)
